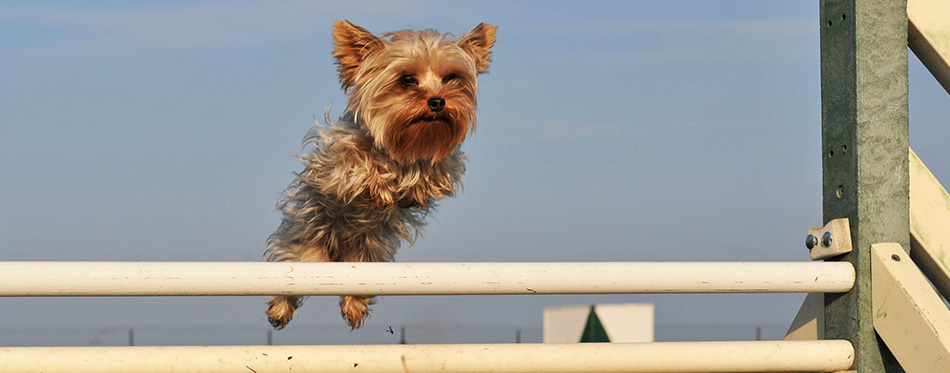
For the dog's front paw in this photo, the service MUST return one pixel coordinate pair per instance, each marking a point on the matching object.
(355, 309)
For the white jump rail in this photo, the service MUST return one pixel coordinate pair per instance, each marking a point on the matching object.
(243, 278)
(759, 356)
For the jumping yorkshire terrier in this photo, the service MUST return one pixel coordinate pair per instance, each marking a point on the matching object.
(371, 177)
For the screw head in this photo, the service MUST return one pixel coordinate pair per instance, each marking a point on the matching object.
(811, 241)
(896, 258)
(826, 239)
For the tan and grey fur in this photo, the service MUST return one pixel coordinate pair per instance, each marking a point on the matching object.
(371, 178)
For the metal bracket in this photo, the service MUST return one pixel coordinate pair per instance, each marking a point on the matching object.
(829, 241)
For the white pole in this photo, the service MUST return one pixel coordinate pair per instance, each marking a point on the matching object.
(771, 356)
(294, 278)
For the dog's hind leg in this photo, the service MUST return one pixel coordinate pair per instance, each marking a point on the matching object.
(282, 308)
(355, 308)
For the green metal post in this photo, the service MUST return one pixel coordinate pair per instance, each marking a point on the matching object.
(865, 146)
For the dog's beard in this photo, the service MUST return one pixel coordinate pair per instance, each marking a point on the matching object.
(430, 136)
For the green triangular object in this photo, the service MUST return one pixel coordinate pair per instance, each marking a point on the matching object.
(594, 330)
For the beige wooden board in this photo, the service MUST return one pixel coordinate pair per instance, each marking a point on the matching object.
(809, 323)
(928, 34)
(840, 232)
(910, 318)
(929, 224)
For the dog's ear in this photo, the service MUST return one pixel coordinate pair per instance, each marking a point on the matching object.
(353, 44)
(478, 43)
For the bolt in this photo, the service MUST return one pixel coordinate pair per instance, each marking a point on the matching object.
(826, 239)
(896, 257)
(811, 241)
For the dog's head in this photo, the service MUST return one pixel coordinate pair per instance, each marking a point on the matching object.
(414, 91)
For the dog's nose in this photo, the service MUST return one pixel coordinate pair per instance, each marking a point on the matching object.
(436, 104)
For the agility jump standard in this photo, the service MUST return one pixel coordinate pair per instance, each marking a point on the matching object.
(239, 278)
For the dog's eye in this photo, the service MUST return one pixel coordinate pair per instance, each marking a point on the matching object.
(448, 78)
(407, 81)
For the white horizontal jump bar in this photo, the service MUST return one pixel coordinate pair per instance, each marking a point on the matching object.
(760, 356)
(294, 278)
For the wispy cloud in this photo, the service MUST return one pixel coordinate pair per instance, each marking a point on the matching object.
(631, 27)
(519, 128)
(94, 29)
(655, 42)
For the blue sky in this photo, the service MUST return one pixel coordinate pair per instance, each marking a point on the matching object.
(608, 131)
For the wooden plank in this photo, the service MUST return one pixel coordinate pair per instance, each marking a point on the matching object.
(839, 232)
(909, 316)
(809, 323)
(928, 31)
(929, 220)
(864, 146)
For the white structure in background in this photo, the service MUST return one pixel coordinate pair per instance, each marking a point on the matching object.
(631, 322)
